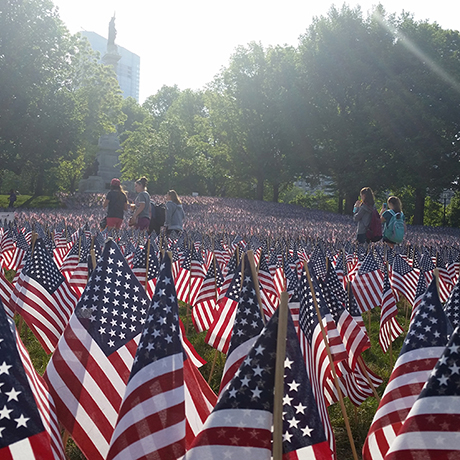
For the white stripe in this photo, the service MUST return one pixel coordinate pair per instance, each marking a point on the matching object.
(427, 440)
(22, 450)
(73, 405)
(249, 418)
(221, 452)
(436, 405)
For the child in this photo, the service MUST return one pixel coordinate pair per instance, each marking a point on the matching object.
(395, 234)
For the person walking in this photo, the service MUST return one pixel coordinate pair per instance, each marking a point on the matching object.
(174, 213)
(362, 213)
(141, 216)
(116, 203)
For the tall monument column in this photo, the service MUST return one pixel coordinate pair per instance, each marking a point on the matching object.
(108, 145)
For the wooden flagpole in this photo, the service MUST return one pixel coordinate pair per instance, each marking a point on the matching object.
(279, 378)
(255, 278)
(334, 374)
(366, 374)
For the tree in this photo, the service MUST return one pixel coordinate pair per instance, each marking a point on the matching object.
(54, 97)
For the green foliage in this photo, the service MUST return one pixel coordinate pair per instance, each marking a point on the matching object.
(311, 200)
(28, 201)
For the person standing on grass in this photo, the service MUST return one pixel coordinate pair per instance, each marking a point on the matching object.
(174, 213)
(362, 213)
(141, 217)
(116, 203)
(13, 197)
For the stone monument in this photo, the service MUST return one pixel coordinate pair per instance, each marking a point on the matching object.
(108, 145)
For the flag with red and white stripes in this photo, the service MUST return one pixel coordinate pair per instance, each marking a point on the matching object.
(390, 329)
(43, 297)
(367, 284)
(88, 372)
(6, 290)
(29, 428)
(151, 419)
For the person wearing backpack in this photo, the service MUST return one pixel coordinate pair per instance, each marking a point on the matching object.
(392, 218)
(174, 216)
(363, 213)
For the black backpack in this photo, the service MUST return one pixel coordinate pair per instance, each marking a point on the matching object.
(157, 217)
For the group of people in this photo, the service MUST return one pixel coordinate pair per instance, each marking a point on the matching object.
(391, 216)
(116, 203)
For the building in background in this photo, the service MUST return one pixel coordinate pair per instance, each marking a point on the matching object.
(128, 67)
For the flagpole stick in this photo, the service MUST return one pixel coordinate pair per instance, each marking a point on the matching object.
(65, 438)
(255, 277)
(32, 243)
(279, 378)
(364, 371)
(212, 366)
(334, 374)
(391, 354)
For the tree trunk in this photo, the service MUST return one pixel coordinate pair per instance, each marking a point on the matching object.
(350, 199)
(276, 193)
(419, 211)
(40, 182)
(340, 203)
(260, 189)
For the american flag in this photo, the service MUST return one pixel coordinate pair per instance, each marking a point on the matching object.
(419, 293)
(151, 420)
(71, 260)
(404, 278)
(246, 402)
(187, 284)
(28, 424)
(81, 272)
(424, 344)
(314, 353)
(354, 339)
(390, 329)
(247, 326)
(432, 428)
(22, 248)
(452, 306)
(88, 372)
(202, 313)
(445, 280)
(427, 266)
(266, 280)
(303, 433)
(7, 248)
(43, 297)
(6, 290)
(220, 331)
(367, 284)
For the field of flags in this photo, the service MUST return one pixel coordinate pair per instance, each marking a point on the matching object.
(283, 292)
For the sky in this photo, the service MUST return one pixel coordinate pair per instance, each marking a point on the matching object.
(186, 43)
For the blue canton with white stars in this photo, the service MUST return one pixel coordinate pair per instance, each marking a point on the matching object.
(114, 305)
(160, 336)
(430, 326)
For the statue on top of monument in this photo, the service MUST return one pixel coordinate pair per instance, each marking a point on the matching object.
(112, 32)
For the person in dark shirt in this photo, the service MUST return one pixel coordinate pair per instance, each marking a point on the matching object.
(13, 198)
(116, 203)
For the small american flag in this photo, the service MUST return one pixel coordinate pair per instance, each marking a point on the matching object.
(88, 372)
(43, 297)
(246, 328)
(28, 424)
(432, 428)
(151, 420)
(404, 278)
(367, 284)
(390, 329)
(452, 307)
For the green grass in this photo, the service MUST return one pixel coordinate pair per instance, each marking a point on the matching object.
(360, 418)
(28, 201)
